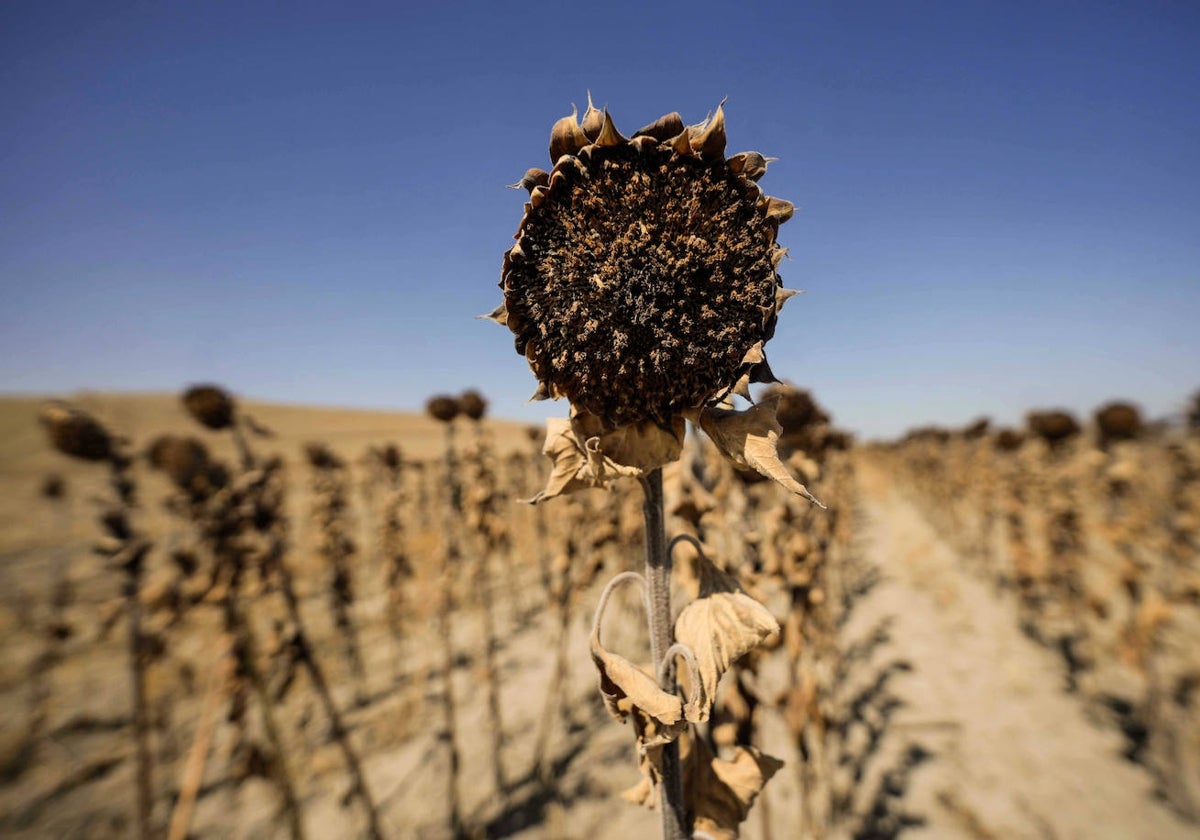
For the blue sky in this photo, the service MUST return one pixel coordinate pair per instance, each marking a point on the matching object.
(998, 203)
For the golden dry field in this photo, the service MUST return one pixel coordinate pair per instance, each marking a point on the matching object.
(983, 635)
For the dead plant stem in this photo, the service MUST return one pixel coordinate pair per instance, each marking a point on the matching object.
(451, 557)
(658, 584)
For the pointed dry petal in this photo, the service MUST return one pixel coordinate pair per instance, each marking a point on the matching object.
(783, 295)
(538, 196)
(751, 165)
(749, 439)
(566, 137)
(532, 178)
(499, 315)
(542, 393)
(710, 143)
(662, 129)
(693, 131)
(742, 388)
(681, 143)
(779, 210)
(754, 355)
(761, 373)
(777, 256)
(609, 136)
(643, 143)
(593, 120)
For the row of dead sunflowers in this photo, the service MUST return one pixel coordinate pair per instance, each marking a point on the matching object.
(275, 671)
(1095, 533)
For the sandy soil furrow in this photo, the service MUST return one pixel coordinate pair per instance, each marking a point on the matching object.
(982, 739)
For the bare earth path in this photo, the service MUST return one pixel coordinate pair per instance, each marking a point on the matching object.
(979, 738)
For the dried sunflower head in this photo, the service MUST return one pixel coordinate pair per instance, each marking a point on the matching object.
(183, 459)
(442, 408)
(473, 404)
(210, 405)
(642, 286)
(76, 433)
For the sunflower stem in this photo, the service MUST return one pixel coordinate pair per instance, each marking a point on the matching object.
(658, 585)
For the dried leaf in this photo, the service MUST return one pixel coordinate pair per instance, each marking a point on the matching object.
(720, 627)
(721, 792)
(628, 450)
(624, 686)
(587, 454)
(681, 143)
(627, 689)
(569, 461)
(750, 438)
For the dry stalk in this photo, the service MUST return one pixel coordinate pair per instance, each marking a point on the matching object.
(675, 823)
(304, 655)
(78, 435)
(193, 773)
(489, 536)
(398, 567)
(330, 511)
(268, 518)
(444, 409)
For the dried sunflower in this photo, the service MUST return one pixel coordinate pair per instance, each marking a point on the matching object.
(76, 433)
(642, 287)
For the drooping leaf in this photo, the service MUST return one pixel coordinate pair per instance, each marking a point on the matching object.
(750, 439)
(719, 627)
(627, 689)
(628, 450)
(721, 792)
(569, 467)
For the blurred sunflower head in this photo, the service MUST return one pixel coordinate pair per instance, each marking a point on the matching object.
(76, 433)
(643, 284)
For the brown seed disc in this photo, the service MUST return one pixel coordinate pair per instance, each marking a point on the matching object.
(640, 282)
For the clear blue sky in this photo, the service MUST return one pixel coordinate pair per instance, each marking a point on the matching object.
(998, 203)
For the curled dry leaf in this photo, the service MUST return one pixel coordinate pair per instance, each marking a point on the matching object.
(570, 465)
(588, 453)
(750, 439)
(721, 792)
(651, 736)
(627, 689)
(720, 627)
